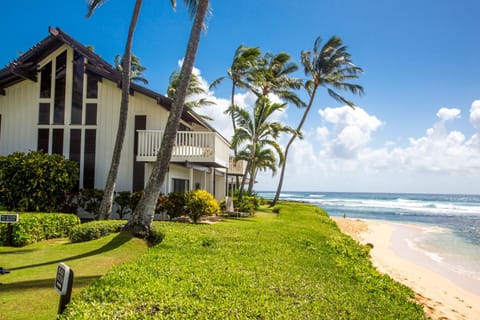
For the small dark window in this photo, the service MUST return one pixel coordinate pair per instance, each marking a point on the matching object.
(89, 159)
(180, 185)
(77, 90)
(44, 113)
(60, 79)
(91, 114)
(92, 86)
(57, 141)
(75, 144)
(46, 81)
(43, 137)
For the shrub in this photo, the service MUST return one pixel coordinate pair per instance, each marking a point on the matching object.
(201, 203)
(35, 181)
(124, 199)
(90, 200)
(34, 227)
(95, 229)
(276, 210)
(174, 204)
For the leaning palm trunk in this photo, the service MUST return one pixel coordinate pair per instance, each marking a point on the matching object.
(141, 219)
(107, 200)
(247, 171)
(287, 148)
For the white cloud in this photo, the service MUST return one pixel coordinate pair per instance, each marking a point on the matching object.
(447, 114)
(351, 130)
(475, 114)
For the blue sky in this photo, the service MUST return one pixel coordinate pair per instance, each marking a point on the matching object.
(418, 57)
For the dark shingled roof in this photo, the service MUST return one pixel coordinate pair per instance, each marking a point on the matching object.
(26, 68)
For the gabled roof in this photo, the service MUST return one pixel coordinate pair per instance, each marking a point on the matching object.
(26, 68)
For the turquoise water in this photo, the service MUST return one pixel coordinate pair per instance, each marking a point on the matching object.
(450, 235)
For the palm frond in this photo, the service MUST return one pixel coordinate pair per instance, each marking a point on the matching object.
(92, 6)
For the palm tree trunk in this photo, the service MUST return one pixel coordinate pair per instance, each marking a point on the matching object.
(107, 200)
(247, 169)
(284, 164)
(141, 219)
(232, 103)
(252, 180)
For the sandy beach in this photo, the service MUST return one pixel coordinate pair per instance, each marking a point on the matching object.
(442, 296)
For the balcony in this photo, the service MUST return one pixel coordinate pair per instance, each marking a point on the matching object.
(237, 167)
(208, 148)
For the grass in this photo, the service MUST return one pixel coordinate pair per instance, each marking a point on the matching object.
(28, 293)
(296, 265)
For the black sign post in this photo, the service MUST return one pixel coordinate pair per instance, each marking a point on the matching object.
(64, 285)
(10, 219)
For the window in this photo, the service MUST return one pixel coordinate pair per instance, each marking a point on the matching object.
(57, 141)
(89, 159)
(77, 90)
(46, 81)
(91, 114)
(60, 77)
(43, 138)
(44, 113)
(92, 86)
(180, 185)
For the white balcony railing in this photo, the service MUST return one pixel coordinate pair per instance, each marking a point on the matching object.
(236, 167)
(193, 146)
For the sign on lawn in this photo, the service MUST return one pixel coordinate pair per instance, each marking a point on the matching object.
(62, 280)
(8, 218)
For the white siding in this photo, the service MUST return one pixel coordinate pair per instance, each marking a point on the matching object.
(19, 110)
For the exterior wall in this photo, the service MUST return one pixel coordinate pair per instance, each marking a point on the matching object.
(18, 127)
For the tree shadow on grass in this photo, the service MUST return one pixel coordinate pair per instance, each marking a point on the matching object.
(119, 240)
(78, 282)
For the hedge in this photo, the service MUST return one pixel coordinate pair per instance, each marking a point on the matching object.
(95, 229)
(34, 227)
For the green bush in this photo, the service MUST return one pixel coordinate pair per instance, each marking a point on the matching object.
(35, 181)
(34, 227)
(95, 229)
(90, 200)
(201, 203)
(124, 200)
(174, 204)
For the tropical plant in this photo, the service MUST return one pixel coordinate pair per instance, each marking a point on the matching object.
(201, 203)
(36, 181)
(141, 219)
(107, 201)
(330, 67)
(123, 200)
(136, 68)
(194, 95)
(257, 131)
(245, 60)
(272, 76)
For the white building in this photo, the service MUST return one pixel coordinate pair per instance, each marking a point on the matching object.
(62, 98)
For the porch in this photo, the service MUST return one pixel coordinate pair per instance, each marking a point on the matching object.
(208, 148)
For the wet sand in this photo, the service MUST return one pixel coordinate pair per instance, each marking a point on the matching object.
(441, 297)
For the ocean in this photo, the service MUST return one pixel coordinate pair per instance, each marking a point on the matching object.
(450, 225)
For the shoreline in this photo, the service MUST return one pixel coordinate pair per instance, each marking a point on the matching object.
(441, 297)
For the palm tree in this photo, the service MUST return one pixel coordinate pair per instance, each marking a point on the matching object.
(141, 219)
(195, 89)
(273, 76)
(257, 131)
(330, 67)
(245, 60)
(263, 159)
(106, 204)
(136, 68)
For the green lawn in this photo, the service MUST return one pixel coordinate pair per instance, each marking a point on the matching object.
(28, 293)
(293, 266)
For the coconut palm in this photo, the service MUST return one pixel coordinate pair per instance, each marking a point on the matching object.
(245, 60)
(106, 204)
(195, 92)
(136, 68)
(141, 219)
(264, 159)
(330, 67)
(257, 131)
(273, 75)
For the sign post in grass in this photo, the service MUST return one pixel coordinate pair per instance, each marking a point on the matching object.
(64, 285)
(10, 219)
